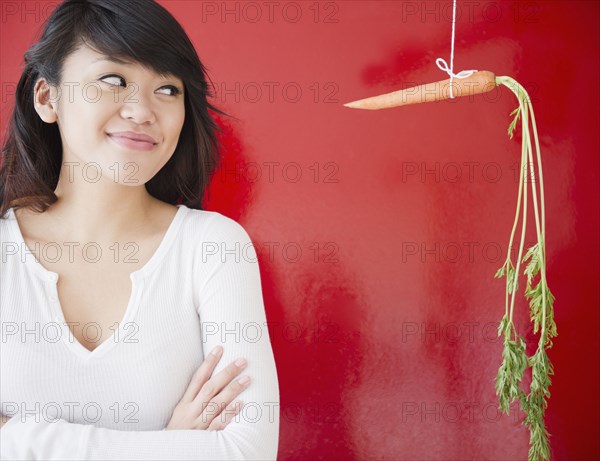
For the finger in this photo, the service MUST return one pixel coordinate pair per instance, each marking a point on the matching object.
(212, 408)
(226, 416)
(202, 374)
(216, 383)
(234, 389)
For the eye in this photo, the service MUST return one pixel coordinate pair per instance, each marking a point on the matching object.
(114, 77)
(175, 90)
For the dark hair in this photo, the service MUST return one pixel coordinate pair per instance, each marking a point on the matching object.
(134, 30)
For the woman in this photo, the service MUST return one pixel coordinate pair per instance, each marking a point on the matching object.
(116, 285)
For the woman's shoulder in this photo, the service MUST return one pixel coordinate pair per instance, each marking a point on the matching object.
(217, 239)
(215, 225)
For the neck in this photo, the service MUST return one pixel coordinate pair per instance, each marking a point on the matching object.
(102, 210)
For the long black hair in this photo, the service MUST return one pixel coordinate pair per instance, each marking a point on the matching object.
(134, 30)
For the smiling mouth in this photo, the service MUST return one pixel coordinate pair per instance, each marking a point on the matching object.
(131, 144)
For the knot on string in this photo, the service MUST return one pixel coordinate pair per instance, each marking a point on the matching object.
(443, 65)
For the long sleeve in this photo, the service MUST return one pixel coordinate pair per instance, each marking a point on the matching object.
(232, 314)
(31, 439)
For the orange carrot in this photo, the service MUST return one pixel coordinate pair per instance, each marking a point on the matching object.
(480, 82)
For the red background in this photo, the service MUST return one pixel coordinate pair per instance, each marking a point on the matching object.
(384, 352)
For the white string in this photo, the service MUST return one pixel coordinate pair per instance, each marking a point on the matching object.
(443, 65)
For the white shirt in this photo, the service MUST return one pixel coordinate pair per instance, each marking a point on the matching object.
(201, 288)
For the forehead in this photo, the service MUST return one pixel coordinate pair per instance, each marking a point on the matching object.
(85, 56)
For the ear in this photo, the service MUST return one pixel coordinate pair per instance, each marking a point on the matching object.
(45, 101)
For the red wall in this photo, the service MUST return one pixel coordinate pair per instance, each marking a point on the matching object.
(379, 283)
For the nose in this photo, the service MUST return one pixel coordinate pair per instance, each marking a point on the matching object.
(138, 107)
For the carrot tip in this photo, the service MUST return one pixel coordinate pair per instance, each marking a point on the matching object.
(360, 104)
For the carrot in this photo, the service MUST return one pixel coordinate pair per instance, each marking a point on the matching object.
(480, 82)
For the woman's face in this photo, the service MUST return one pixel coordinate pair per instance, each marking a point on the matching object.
(98, 98)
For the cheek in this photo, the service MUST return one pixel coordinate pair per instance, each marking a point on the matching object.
(174, 124)
(82, 122)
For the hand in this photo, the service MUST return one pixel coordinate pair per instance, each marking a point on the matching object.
(3, 420)
(205, 399)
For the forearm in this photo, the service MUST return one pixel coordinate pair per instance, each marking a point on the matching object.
(26, 438)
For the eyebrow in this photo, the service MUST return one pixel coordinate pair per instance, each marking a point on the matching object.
(112, 59)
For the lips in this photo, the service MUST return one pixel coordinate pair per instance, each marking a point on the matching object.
(133, 141)
(140, 137)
